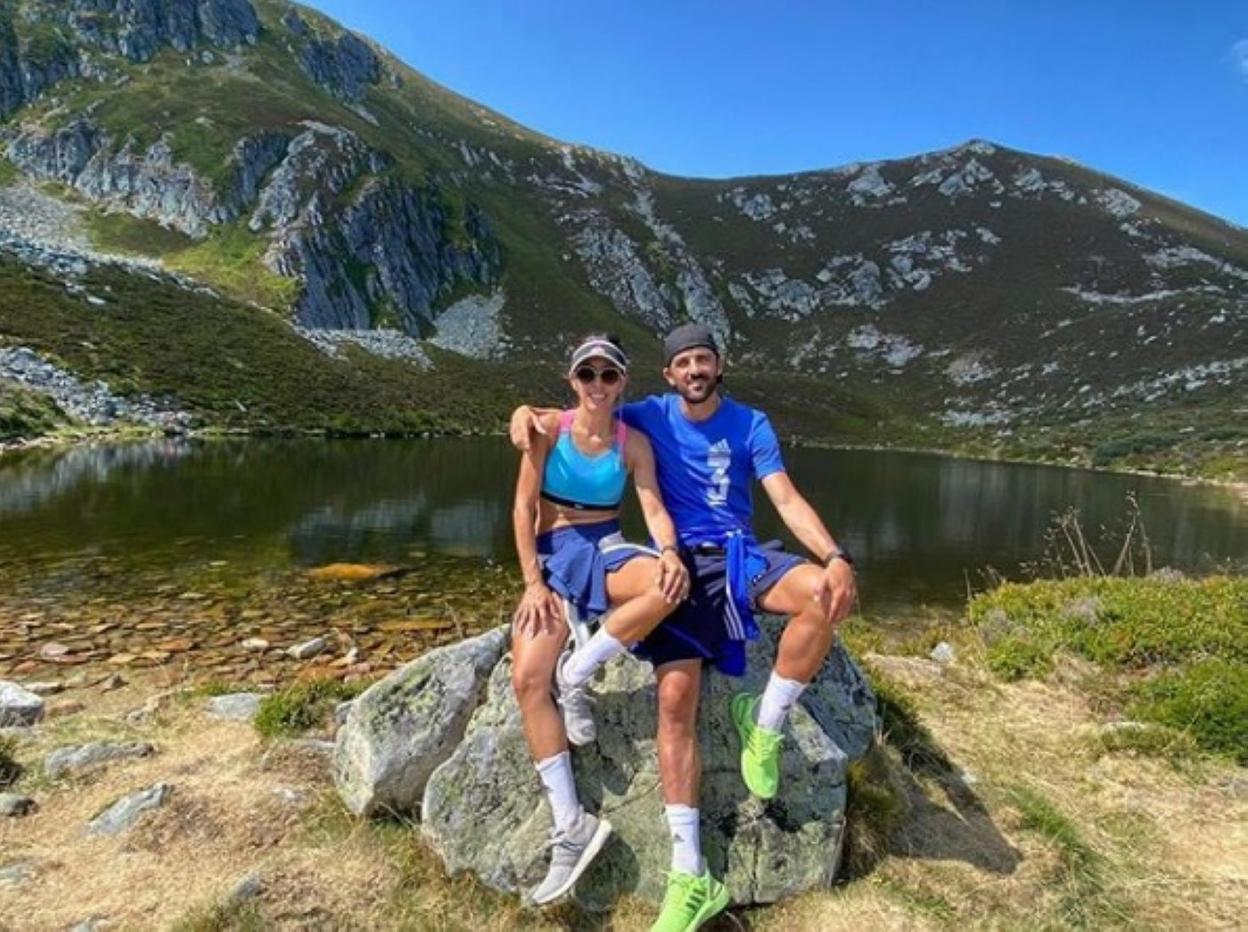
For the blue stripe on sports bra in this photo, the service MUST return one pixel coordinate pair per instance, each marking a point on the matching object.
(576, 480)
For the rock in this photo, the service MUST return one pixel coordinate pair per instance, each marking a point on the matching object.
(943, 653)
(14, 804)
(93, 924)
(18, 872)
(344, 67)
(341, 711)
(256, 644)
(18, 706)
(235, 707)
(66, 709)
(289, 796)
(112, 681)
(317, 746)
(122, 814)
(83, 757)
(482, 810)
(1168, 574)
(404, 726)
(308, 649)
(48, 688)
(247, 888)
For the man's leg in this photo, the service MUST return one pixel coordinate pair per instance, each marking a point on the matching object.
(693, 895)
(804, 644)
(680, 760)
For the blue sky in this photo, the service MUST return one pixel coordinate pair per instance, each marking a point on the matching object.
(1154, 92)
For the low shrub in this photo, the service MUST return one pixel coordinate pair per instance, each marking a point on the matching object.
(1208, 700)
(1107, 451)
(302, 706)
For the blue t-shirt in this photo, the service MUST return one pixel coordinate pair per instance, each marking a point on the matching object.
(706, 468)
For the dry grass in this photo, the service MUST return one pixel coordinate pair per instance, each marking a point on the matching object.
(1028, 826)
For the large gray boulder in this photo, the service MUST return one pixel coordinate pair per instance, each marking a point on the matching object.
(18, 706)
(483, 810)
(404, 726)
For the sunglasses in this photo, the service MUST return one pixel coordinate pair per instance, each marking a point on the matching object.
(586, 375)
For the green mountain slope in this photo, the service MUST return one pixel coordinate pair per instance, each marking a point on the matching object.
(978, 299)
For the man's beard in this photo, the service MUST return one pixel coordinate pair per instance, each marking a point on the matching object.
(695, 394)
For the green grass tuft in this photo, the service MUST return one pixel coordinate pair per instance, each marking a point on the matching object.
(303, 706)
(1207, 700)
(1147, 739)
(223, 917)
(875, 807)
(1013, 658)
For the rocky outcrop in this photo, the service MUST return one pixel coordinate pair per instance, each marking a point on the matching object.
(345, 67)
(138, 29)
(356, 239)
(26, 71)
(482, 808)
(90, 402)
(147, 183)
(388, 247)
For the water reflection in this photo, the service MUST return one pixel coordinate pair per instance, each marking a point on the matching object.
(922, 526)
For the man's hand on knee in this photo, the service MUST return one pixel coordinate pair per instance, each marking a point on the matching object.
(835, 591)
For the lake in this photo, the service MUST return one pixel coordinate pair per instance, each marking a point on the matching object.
(922, 527)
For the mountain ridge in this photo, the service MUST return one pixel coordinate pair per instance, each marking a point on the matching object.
(297, 166)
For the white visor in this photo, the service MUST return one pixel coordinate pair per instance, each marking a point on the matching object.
(599, 349)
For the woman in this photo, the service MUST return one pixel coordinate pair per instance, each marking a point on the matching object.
(566, 520)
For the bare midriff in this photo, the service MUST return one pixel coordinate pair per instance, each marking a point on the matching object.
(551, 516)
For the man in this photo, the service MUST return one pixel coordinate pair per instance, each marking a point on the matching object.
(708, 449)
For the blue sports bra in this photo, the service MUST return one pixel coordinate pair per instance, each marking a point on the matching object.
(575, 480)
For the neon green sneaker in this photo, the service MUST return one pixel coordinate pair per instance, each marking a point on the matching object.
(760, 748)
(690, 901)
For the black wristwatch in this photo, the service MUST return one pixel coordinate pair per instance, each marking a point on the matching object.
(838, 554)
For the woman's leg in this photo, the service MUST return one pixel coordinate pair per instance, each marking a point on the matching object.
(637, 608)
(578, 835)
(637, 605)
(533, 658)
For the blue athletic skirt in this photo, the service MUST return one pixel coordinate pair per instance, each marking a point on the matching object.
(575, 561)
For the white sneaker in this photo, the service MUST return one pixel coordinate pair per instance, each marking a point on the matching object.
(576, 705)
(570, 853)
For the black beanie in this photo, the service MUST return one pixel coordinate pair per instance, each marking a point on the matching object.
(686, 337)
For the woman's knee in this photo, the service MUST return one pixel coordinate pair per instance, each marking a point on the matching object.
(531, 681)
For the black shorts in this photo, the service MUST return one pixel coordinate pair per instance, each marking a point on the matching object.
(703, 626)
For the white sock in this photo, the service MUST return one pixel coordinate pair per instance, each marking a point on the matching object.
(779, 696)
(586, 660)
(682, 822)
(560, 786)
